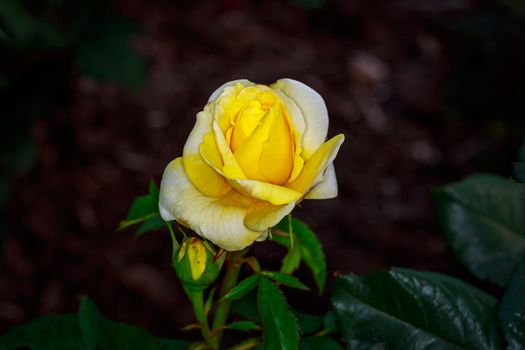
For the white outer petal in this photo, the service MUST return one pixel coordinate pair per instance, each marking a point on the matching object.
(327, 188)
(314, 113)
(217, 92)
(220, 222)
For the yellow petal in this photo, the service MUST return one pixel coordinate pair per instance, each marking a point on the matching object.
(327, 188)
(221, 220)
(197, 257)
(298, 163)
(277, 157)
(263, 215)
(220, 90)
(182, 250)
(202, 175)
(246, 122)
(297, 126)
(248, 154)
(316, 165)
(313, 110)
(210, 152)
(274, 194)
(231, 167)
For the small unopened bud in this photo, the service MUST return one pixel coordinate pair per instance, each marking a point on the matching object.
(195, 265)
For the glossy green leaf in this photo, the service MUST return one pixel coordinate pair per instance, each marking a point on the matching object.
(320, 343)
(102, 334)
(243, 288)
(280, 326)
(519, 167)
(483, 219)
(243, 326)
(144, 211)
(311, 250)
(285, 279)
(408, 310)
(53, 332)
(512, 310)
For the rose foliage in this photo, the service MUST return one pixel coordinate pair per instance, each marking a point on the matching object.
(254, 153)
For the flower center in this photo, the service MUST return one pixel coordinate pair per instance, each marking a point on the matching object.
(260, 134)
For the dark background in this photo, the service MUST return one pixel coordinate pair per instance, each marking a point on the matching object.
(97, 97)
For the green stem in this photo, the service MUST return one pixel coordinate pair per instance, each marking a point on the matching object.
(229, 281)
(197, 300)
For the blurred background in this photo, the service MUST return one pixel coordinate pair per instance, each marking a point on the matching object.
(96, 97)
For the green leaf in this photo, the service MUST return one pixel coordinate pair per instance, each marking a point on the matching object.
(483, 219)
(145, 205)
(285, 279)
(144, 211)
(153, 224)
(308, 323)
(512, 310)
(101, 334)
(243, 288)
(311, 250)
(280, 326)
(406, 309)
(318, 343)
(247, 307)
(88, 330)
(243, 326)
(53, 332)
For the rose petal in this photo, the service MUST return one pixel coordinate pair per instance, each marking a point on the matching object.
(313, 110)
(231, 167)
(221, 220)
(202, 175)
(217, 92)
(297, 120)
(327, 188)
(262, 216)
(317, 164)
(275, 194)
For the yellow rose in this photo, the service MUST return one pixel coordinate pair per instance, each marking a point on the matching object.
(254, 152)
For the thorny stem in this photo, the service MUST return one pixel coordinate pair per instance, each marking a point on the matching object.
(234, 260)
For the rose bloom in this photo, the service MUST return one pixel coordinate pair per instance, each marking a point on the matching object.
(254, 153)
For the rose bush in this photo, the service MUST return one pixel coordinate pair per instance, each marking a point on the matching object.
(255, 152)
